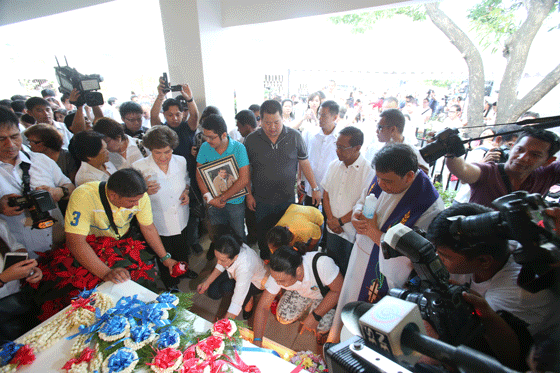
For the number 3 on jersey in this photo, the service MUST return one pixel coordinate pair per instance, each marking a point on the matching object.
(76, 215)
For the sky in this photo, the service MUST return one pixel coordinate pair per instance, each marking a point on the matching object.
(311, 46)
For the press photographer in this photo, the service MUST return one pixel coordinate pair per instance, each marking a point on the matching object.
(484, 261)
(531, 166)
(494, 149)
(43, 174)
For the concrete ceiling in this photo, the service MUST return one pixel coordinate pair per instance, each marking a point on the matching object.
(234, 12)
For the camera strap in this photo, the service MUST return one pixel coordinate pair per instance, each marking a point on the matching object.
(505, 178)
(25, 178)
(324, 289)
(141, 148)
(108, 211)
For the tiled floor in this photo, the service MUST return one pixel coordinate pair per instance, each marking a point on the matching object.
(207, 308)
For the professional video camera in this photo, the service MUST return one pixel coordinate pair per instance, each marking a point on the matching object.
(520, 217)
(38, 202)
(173, 88)
(392, 336)
(440, 302)
(69, 78)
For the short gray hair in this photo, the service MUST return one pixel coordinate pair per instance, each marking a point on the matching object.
(158, 137)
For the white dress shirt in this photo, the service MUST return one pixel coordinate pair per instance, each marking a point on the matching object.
(345, 186)
(88, 173)
(372, 151)
(170, 217)
(133, 154)
(321, 150)
(64, 132)
(43, 171)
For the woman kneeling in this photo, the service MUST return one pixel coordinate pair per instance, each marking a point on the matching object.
(292, 271)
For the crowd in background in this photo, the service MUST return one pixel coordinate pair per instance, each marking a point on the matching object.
(315, 181)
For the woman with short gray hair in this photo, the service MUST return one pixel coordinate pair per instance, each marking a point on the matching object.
(168, 188)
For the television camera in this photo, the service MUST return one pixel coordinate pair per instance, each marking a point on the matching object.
(390, 331)
(440, 302)
(389, 338)
(69, 78)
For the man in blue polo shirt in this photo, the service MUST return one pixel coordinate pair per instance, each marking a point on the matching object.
(218, 145)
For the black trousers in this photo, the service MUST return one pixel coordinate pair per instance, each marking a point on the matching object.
(308, 201)
(223, 285)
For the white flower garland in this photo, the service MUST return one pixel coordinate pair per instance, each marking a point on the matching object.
(216, 333)
(172, 368)
(130, 343)
(45, 336)
(217, 351)
(125, 332)
(105, 366)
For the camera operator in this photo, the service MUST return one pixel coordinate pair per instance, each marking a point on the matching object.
(485, 262)
(44, 174)
(84, 115)
(185, 128)
(530, 167)
(494, 149)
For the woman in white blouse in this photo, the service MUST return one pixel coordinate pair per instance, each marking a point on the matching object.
(239, 270)
(168, 188)
(91, 149)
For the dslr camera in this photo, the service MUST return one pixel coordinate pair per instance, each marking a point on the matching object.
(69, 78)
(38, 202)
(447, 141)
(440, 302)
(504, 153)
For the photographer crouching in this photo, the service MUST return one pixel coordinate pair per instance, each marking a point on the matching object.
(506, 310)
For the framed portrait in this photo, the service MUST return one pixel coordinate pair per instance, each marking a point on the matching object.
(220, 175)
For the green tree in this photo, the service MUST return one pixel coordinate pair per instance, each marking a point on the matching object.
(512, 25)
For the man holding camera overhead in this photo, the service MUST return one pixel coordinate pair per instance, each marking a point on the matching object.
(185, 128)
(530, 167)
(43, 174)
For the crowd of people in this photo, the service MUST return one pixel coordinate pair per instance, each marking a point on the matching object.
(315, 183)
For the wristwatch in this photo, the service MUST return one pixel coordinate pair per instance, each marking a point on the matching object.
(316, 189)
(315, 316)
(65, 192)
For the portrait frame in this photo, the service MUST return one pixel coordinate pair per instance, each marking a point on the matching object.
(210, 171)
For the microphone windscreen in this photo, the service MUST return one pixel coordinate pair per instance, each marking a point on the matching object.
(351, 314)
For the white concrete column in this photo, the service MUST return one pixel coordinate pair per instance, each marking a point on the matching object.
(198, 52)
